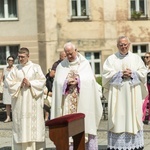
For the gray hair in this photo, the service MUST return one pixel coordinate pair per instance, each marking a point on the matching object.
(122, 37)
(69, 44)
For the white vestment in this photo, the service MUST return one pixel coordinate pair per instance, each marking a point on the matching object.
(6, 94)
(27, 106)
(124, 101)
(89, 101)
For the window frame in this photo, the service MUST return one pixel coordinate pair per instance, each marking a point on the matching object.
(137, 8)
(8, 54)
(6, 11)
(92, 61)
(139, 49)
(79, 10)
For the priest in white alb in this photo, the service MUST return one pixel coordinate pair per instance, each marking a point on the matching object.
(124, 77)
(75, 90)
(26, 83)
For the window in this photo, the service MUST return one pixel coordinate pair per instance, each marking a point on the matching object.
(138, 8)
(140, 49)
(8, 9)
(6, 51)
(95, 61)
(79, 8)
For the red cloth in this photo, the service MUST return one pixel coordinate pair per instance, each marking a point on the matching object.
(64, 120)
(146, 105)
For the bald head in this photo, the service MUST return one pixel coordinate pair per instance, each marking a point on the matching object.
(62, 55)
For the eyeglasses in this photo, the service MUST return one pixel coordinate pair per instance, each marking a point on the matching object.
(21, 57)
(146, 57)
(121, 45)
(10, 60)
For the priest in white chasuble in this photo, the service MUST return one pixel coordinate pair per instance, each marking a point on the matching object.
(124, 77)
(75, 90)
(26, 83)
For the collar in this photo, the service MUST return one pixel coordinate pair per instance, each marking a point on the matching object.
(76, 61)
(122, 56)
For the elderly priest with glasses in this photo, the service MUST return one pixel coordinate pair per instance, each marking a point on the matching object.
(123, 80)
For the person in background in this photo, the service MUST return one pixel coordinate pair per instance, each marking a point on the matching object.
(146, 103)
(48, 94)
(6, 94)
(123, 78)
(62, 56)
(75, 90)
(147, 60)
(49, 81)
(26, 84)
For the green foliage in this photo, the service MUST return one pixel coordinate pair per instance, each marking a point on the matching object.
(136, 14)
(99, 80)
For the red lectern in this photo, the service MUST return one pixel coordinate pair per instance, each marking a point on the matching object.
(61, 128)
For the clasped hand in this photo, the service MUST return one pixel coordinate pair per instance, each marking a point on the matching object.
(72, 81)
(127, 73)
(25, 83)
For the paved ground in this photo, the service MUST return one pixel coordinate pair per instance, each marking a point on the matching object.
(6, 134)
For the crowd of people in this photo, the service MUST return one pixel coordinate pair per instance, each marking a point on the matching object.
(71, 87)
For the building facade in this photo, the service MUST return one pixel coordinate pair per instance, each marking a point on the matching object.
(92, 25)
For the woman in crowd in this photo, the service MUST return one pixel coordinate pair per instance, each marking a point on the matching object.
(146, 104)
(6, 95)
(147, 60)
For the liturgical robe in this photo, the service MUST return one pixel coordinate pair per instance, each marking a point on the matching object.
(125, 100)
(88, 101)
(27, 107)
(124, 97)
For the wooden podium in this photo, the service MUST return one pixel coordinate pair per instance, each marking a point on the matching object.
(61, 128)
